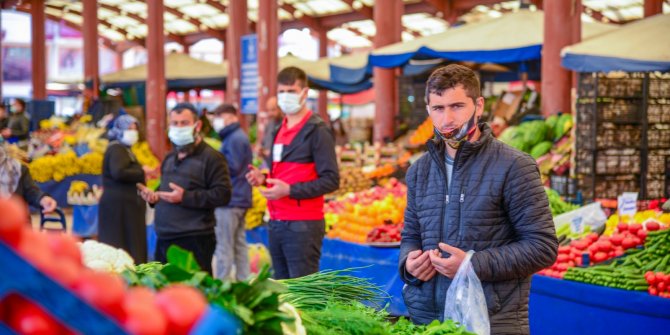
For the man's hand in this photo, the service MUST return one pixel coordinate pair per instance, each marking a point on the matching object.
(48, 204)
(278, 190)
(147, 194)
(447, 266)
(418, 265)
(173, 197)
(6, 132)
(254, 176)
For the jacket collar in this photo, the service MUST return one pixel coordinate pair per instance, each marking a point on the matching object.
(229, 129)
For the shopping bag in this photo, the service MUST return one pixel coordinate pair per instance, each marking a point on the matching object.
(466, 303)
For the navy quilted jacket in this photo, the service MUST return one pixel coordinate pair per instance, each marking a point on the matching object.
(496, 206)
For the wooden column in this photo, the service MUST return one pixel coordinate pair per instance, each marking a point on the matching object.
(38, 47)
(156, 86)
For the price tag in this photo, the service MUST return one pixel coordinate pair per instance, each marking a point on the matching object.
(627, 204)
(276, 152)
(577, 225)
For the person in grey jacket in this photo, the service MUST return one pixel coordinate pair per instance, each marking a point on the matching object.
(472, 192)
(231, 239)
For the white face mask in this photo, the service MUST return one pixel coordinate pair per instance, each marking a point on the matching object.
(218, 124)
(289, 102)
(130, 137)
(181, 135)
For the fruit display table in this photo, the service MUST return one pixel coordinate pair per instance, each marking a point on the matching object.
(58, 189)
(381, 264)
(567, 307)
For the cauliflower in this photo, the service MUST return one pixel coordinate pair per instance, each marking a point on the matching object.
(103, 257)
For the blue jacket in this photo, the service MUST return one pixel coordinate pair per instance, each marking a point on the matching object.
(237, 150)
(495, 205)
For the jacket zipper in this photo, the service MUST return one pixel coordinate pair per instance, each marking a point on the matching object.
(442, 168)
(460, 214)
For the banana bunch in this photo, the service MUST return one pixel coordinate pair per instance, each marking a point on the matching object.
(77, 186)
(254, 216)
(64, 164)
(144, 155)
(91, 163)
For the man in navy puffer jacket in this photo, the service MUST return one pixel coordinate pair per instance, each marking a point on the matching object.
(472, 192)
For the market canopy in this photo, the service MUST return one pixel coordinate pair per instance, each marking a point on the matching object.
(514, 37)
(643, 51)
(319, 74)
(181, 72)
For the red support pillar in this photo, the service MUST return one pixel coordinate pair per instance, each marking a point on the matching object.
(576, 25)
(186, 48)
(653, 7)
(323, 94)
(90, 32)
(388, 20)
(156, 86)
(238, 27)
(38, 47)
(268, 35)
(118, 59)
(557, 81)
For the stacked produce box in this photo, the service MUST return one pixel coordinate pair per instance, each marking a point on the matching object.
(623, 134)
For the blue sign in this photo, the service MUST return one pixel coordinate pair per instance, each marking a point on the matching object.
(249, 75)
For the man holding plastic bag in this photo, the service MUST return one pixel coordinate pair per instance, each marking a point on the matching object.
(474, 203)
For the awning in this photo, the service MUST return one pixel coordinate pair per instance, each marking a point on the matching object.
(640, 46)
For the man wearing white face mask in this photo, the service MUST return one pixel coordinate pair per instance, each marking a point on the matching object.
(231, 243)
(121, 219)
(303, 169)
(194, 181)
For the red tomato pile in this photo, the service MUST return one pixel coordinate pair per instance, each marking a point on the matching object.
(599, 248)
(172, 311)
(659, 283)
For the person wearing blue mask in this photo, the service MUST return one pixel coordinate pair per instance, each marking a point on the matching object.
(194, 181)
(231, 241)
(121, 213)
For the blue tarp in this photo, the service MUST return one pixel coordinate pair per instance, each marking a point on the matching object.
(559, 307)
(591, 63)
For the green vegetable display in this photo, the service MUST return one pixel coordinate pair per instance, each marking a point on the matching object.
(558, 206)
(540, 149)
(628, 272)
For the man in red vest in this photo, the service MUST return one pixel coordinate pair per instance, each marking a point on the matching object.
(303, 167)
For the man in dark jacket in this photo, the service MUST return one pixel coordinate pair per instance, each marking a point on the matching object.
(303, 169)
(18, 125)
(194, 181)
(472, 192)
(231, 241)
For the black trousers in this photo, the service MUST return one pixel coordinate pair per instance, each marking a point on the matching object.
(202, 247)
(295, 247)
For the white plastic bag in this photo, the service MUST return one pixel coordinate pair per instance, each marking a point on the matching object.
(466, 303)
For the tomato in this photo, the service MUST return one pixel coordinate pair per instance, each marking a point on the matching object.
(33, 248)
(634, 227)
(661, 286)
(642, 234)
(102, 290)
(182, 306)
(28, 319)
(561, 258)
(66, 273)
(604, 246)
(622, 227)
(628, 243)
(652, 226)
(12, 221)
(64, 246)
(599, 257)
(653, 291)
(616, 239)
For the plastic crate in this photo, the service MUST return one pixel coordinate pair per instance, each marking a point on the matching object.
(22, 278)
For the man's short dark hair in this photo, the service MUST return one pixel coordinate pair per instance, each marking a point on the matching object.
(21, 102)
(291, 75)
(182, 106)
(225, 109)
(451, 76)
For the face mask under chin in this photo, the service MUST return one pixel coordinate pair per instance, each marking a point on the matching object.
(456, 139)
